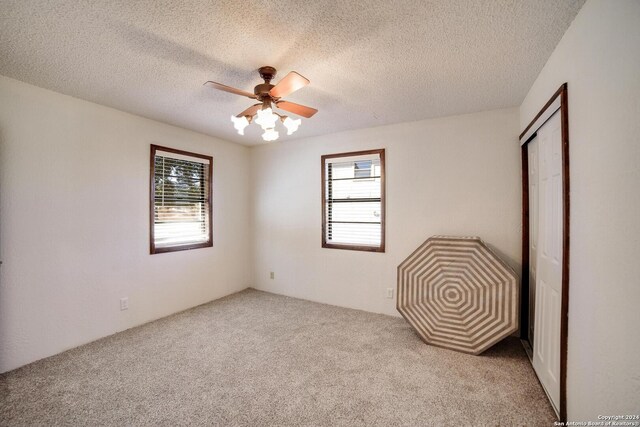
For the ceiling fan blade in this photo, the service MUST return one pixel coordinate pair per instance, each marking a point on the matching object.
(289, 84)
(230, 89)
(298, 109)
(251, 111)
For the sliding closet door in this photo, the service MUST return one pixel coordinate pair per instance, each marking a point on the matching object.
(534, 208)
(548, 267)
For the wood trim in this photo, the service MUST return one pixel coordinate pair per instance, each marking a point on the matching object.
(559, 92)
(381, 248)
(182, 247)
(383, 204)
(524, 280)
(564, 311)
(152, 190)
(562, 92)
(355, 153)
(155, 148)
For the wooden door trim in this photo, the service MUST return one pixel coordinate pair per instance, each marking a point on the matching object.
(562, 95)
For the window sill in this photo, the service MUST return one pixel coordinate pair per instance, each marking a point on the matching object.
(362, 248)
(186, 247)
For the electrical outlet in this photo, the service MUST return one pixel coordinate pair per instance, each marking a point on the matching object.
(390, 293)
(124, 303)
(272, 275)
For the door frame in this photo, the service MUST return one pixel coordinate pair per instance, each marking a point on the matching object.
(559, 100)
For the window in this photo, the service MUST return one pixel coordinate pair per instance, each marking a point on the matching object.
(353, 201)
(180, 205)
(362, 169)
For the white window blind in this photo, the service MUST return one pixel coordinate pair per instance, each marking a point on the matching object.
(181, 217)
(353, 216)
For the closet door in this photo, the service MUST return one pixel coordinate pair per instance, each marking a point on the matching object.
(548, 267)
(534, 207)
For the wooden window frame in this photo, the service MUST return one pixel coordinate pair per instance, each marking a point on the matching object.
(354, 247)
(526, 136)
(152, 189)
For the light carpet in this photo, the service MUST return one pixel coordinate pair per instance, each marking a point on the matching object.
(255, 358)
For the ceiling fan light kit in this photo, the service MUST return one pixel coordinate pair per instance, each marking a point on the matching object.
(266, 118)
(239, 123)
(292, 125)
(268, 95)
(270, 135)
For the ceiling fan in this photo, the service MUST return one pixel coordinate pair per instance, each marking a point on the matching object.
(268, 95)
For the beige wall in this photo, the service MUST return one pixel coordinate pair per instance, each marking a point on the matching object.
(74, 191)
(599, 57)
(457, 175)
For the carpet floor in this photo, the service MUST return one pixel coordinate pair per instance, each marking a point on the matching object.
(255, 358)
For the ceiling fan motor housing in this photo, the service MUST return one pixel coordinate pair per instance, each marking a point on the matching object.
(262, 91)
(267, 73)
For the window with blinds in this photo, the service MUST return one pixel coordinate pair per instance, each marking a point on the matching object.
(353, 201)
(181, 212)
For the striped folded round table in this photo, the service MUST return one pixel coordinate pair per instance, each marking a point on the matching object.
(456, 293)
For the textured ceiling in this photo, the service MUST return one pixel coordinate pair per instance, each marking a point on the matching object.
(370, 63)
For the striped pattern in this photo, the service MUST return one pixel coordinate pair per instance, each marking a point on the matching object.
(456, 293)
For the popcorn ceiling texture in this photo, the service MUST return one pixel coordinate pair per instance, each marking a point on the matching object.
(370, 64)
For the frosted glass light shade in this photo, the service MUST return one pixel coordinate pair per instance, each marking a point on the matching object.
(266, 119)
(239, 123)
(270, 135)
(291, 125)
